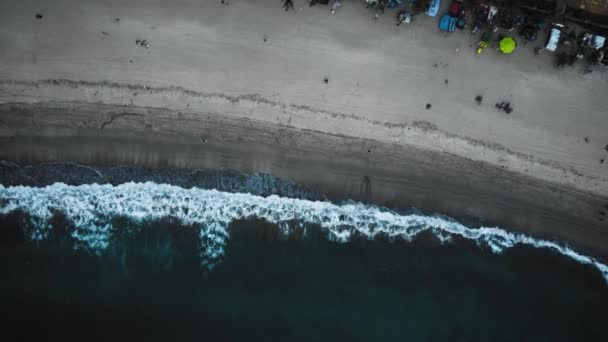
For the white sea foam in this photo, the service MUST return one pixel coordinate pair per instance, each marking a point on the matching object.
(91, 209)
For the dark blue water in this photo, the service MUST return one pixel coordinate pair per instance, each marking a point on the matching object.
(148, 284)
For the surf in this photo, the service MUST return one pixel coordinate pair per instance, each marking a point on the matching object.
(91, 208)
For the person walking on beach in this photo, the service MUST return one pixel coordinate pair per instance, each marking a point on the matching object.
(334, 5)
(287, 5)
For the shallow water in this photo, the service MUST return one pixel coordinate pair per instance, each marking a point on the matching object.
(138, 261)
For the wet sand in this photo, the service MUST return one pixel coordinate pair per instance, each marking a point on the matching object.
(339, 167)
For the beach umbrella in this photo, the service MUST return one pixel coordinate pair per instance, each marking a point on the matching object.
(507, 45)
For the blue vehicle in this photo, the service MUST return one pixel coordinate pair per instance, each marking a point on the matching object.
(433, 8)
(447, 23)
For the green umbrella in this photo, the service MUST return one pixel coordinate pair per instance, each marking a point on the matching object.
(507, 45)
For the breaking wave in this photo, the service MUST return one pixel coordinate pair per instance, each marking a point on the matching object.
(92, 208)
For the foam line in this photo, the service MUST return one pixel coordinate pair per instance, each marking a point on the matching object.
(91, 209)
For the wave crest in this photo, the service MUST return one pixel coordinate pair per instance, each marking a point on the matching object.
(92, 207)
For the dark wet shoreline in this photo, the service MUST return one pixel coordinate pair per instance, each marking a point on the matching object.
(261, 184)
(340, 168)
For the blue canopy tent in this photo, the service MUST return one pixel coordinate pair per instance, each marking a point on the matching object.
(447, 23)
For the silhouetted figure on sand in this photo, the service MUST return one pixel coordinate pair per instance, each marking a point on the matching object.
(287, 5)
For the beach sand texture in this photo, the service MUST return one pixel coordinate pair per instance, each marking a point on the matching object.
(242, 86)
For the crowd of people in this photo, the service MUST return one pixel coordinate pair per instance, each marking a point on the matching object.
(526, 21)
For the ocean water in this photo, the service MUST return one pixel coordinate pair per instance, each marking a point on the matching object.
(126, 253)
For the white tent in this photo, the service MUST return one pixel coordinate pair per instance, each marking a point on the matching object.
(553, 39)
(598, 42)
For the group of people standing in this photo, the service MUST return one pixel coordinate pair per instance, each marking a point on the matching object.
(333, 4)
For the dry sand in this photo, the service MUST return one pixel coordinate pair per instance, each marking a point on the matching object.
(241, 86)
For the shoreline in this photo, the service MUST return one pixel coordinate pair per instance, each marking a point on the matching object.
(339, 167)
(421, 134)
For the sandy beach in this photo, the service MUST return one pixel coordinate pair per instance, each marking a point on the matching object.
(242, 86)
